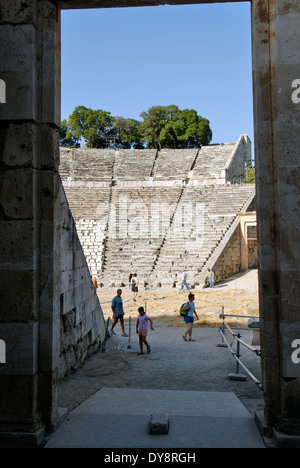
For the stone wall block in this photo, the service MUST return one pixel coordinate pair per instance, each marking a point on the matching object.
(80, 312)
(21, 304)
(69, 301)
(49, 33)
(290, 287)
(13, 401)
(87, 323)
(48, 399)
(49, 295)
(49, 345)
(17, 248)
(50, 253)
(286, 27)
(18, 12)
(50, 155)
(19, 145)
(50, 196)
(17, 194)
(98, 330)
(291, 407)
(288, 125)
(22, 341)
(18, 68)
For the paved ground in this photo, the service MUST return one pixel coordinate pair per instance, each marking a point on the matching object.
(120, 418)
(172, 366)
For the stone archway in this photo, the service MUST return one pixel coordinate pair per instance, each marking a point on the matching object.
(29, 212)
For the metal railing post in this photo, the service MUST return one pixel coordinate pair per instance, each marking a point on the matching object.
(237, 375)
(222, 316)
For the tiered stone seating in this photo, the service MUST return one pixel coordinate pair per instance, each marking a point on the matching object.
(65, 163)
(212, 160)
(128, 223)
(88, 202)
(134, 164)
(90, 207)
(87, 164)
(139, 220)
(209, 212)
(172, 164)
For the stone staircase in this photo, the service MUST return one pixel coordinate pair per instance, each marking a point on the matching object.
(174, 164)
(134, 164)
(203, 217)
(212, 160)
(87, 164)
(139, 220)
(90, 209)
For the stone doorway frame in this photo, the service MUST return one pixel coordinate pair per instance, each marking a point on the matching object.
(33, 55)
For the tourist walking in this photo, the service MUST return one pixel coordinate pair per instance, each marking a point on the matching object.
(129, 281)
(189, 318)
(211, 278)
(183, 281)
(118, 312)
(95, 283)
(142, 329)
(134, 286)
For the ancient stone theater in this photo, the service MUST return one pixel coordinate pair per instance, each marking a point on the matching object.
(46, 267)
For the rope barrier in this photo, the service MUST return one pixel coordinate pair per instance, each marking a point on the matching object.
(237, 375)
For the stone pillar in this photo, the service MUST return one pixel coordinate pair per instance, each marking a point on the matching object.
(29, 216)
(276, 66)
(247, 219)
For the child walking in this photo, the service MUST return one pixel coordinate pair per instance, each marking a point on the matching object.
(142, 329)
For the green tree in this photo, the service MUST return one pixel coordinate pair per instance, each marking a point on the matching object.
(92, 125)
(196, 129)
(154, 121)
(127, 133)
(170, 127)
(249, 176)
(67, 137)
(162, 127)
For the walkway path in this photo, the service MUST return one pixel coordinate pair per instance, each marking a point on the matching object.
(111, 398)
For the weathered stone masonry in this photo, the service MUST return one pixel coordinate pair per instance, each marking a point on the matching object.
(156, 212)
(30, 212)
(50, 317)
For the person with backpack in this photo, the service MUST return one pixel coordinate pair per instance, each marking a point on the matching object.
(189, 309)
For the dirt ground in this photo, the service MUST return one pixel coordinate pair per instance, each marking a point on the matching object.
(173, 363)
(163, 305)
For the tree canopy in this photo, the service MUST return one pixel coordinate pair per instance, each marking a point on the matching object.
(95, 126)
(170, 127)
(161, 127)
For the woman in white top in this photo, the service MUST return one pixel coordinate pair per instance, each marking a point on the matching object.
(134, 286)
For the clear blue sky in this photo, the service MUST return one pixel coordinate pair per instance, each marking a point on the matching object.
(126, 60)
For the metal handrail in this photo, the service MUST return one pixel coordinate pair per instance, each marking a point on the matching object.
(237, 354)
(256, 351)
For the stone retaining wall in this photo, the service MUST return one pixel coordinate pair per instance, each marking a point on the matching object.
(82, 326)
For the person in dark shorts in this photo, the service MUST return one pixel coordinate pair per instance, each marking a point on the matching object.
(118, 312)
(134, 286)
